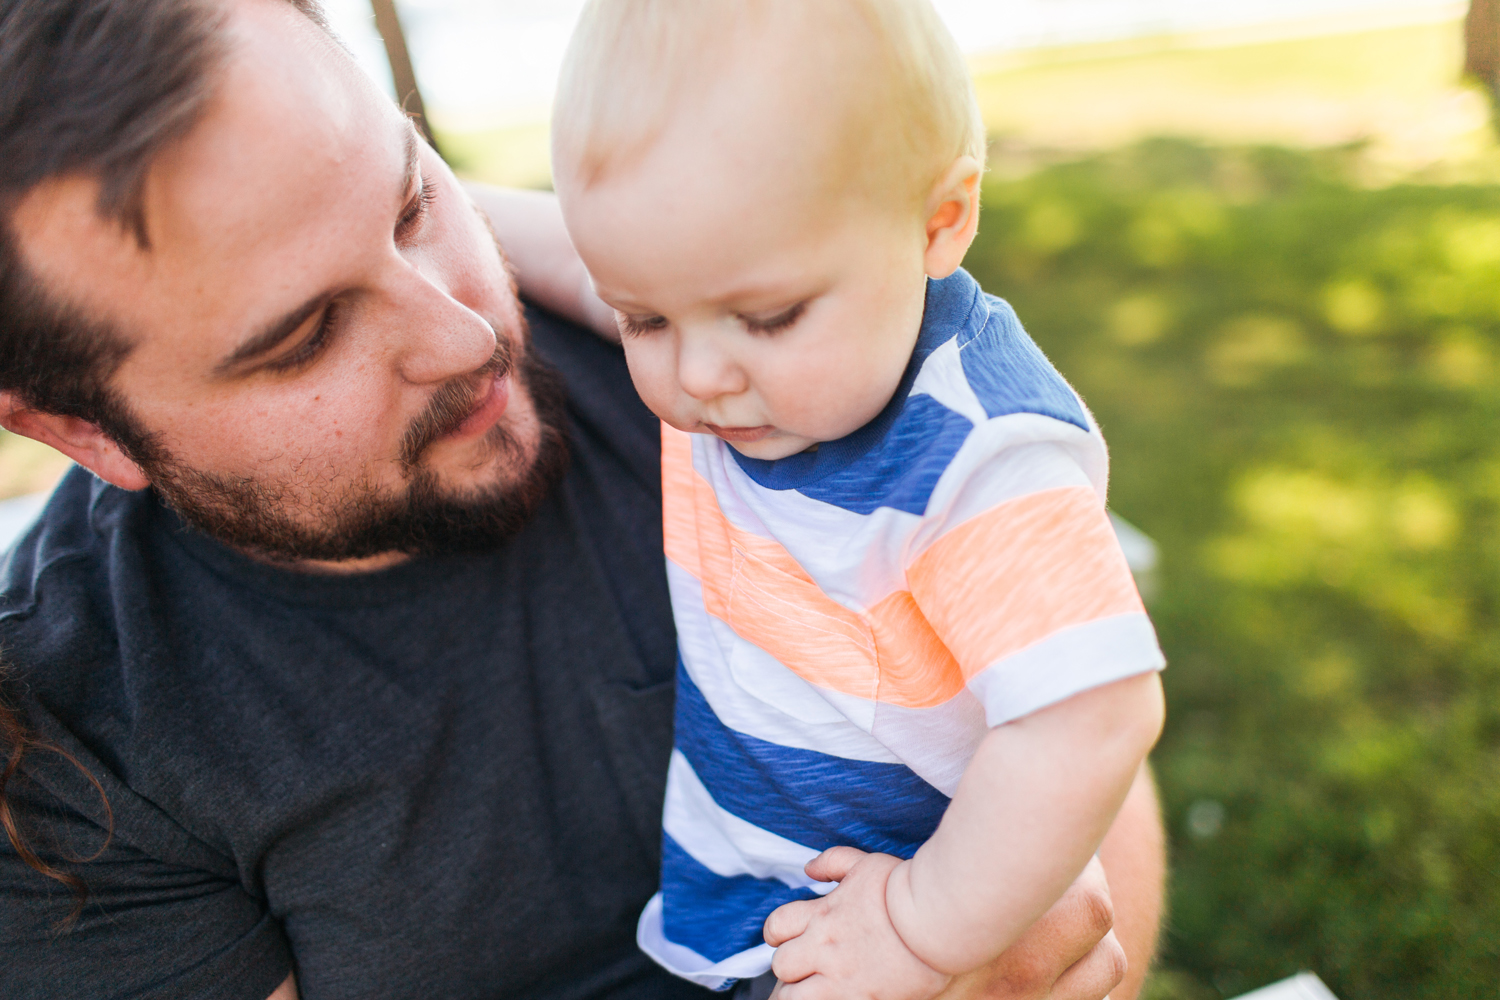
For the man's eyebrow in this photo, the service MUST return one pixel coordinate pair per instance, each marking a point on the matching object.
(272, 335)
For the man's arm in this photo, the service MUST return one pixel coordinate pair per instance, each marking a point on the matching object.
(529, 226)
(287, 990)
(1134, 854)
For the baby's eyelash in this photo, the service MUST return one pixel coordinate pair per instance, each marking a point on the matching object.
(634, 326)
(778, 322)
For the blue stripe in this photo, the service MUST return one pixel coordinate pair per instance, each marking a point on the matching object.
(714, 915)
(813, 799)
(1010, 374)
(902, 470)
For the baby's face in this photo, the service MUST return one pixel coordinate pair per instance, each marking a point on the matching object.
(753, 304)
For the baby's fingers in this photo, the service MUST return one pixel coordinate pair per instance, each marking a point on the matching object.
(798, 961)
(787, 921)
(834, 864)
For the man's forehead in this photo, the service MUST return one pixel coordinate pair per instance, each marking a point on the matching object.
(292, 130)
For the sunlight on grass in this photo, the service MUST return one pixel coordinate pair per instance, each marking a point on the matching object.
(1396, 88)
(1295, 372)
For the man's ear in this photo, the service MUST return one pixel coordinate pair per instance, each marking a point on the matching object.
(952, 217)
(80, 440)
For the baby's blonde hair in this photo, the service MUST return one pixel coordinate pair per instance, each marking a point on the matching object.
(910, 104)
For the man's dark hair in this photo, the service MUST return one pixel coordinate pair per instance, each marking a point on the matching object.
(92, 88)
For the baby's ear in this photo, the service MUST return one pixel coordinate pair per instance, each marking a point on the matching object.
(952, 216)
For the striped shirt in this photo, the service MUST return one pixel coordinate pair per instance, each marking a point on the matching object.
(852, 620)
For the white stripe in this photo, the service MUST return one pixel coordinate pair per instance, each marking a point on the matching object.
(754, 693)
(860, 559)
(937, 743)
(687, 963)
(942, 377)
(1067, 662)
(724, 843)
(851, 556)
(1001, 460)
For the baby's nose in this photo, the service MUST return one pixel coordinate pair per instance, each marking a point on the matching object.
(705, 372)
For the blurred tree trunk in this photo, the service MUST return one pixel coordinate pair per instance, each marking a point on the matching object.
(1482, 47)
(408, 95)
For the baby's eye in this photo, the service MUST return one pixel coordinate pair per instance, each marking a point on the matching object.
(777, 323)
(632, 326)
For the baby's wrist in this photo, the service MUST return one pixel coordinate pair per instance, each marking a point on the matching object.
(914, 928)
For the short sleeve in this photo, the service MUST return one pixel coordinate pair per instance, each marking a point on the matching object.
(149, 927)
(1021, 576)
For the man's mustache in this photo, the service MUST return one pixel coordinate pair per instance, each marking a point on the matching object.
(452, 404)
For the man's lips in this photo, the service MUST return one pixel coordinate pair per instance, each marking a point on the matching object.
(488, 409)
(744, 435)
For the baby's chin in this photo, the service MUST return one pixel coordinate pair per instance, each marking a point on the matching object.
(774, 446)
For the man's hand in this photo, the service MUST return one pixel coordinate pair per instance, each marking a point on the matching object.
(842, 946)
(1070, 953)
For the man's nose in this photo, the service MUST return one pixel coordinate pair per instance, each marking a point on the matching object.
(705, 370)
(440, 338)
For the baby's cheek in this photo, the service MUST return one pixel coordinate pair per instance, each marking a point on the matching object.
(655, 377)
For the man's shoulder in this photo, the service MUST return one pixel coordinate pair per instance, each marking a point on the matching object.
(75, 528)
(54, 605)
(602, 401)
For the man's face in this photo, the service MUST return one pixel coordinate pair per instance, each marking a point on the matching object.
(328, 348)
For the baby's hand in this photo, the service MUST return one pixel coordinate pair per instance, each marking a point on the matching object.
(842, 946)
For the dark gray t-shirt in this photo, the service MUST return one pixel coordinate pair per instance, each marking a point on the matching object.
(438, 781)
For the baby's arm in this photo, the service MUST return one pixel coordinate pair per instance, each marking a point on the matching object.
(1031, 810)
(1033, 806)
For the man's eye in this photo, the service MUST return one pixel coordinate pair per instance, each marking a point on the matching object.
(411, 219)
(309, 349)
(777, 323)
(633, 326)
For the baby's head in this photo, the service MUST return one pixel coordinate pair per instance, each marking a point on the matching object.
(760, 188)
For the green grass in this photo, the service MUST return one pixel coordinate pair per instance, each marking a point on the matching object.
(1300, 381)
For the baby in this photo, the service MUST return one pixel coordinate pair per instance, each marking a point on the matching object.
(912, 658)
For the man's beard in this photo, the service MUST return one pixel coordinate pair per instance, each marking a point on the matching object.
(359, 520)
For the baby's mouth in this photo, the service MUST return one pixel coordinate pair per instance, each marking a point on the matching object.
(739, 435)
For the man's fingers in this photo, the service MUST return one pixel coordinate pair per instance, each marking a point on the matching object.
(1094, 975)
(787, 921)
(833, 864)
(1077, 922)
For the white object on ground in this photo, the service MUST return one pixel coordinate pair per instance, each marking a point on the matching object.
(1140, 551)
(1141, 555)
(1302, 986)
(17, 514)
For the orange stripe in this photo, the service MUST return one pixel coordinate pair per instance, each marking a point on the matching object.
(677, 477)
(1021, 571)
(756, 586)
(990, 587)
